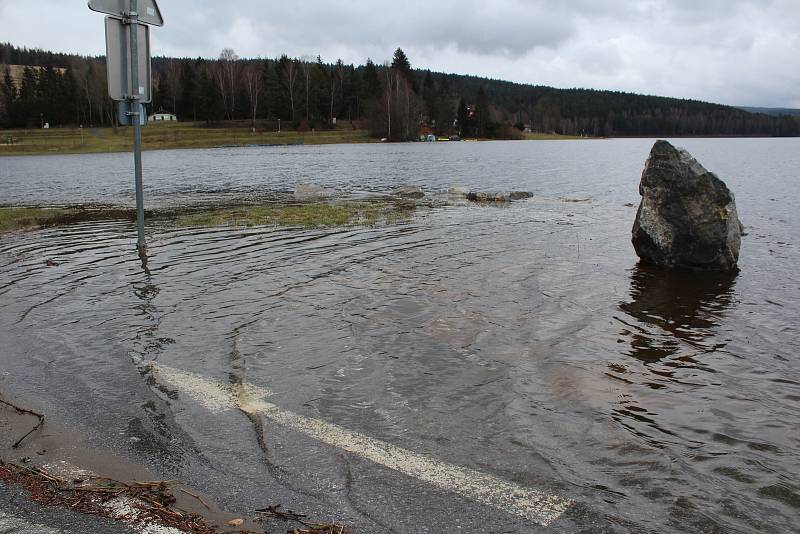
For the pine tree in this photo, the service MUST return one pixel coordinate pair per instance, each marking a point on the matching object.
(9, 95)
(482, 118)
(370, 82)
(30, 110)
(431, 97)
(272, 90)
(400, 62)
(68, 99)
(463, 117)
(186, 105)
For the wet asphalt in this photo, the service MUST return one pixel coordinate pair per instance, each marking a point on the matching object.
(18, 515)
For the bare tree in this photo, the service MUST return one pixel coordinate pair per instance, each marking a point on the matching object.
(173, 81)
(87, 92)
(217, 73)
(289, 72)
(333, 83)
(407, 89)
(229, 63)
(391, 76)
(340, 74)
(254, 77)
(306, 63)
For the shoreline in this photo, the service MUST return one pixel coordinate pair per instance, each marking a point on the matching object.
(189, 136)
(306, 139)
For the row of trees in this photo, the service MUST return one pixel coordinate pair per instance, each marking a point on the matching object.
(393, 100)
(55, 95)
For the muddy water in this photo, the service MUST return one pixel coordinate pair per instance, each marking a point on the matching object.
(520, 341)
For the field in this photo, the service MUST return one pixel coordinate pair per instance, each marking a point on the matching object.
(159, 137)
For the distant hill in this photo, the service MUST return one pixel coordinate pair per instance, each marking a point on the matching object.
(17, 71)
(774, 112)
(394, 101)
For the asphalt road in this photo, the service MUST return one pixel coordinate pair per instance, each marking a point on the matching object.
(18, 515)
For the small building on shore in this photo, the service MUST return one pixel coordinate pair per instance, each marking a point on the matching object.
(162, 116)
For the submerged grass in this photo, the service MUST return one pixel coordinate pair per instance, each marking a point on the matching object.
(17, 218)
(311, 215)
(303, 215)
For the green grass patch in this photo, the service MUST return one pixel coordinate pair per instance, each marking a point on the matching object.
(16, 218)
(312, 215)
(303, 215)
(160, 137)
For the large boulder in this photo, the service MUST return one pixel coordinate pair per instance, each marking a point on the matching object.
(687, 218)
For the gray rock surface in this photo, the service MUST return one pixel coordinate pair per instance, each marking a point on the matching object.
(687, 218)
(408, 191)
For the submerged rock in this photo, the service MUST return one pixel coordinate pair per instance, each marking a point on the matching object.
(458, 191)
(308, 191)
(497, 196)
(687, 218)
(408, 191)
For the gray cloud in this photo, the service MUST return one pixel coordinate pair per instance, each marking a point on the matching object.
(730, 51)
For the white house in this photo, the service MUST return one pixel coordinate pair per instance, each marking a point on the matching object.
(160, 116)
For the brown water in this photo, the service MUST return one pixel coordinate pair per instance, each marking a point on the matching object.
(522, 341)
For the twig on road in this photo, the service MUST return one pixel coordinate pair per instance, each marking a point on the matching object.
(28, 412)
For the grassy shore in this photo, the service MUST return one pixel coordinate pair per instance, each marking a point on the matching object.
(317, 215)
(159, 137)
(163, 136)
(551, 137)
(17, 218)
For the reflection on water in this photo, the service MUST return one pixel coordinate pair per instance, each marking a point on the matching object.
(670, 324)
(677, 309)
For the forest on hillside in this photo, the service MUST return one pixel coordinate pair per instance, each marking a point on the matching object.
(391, 99)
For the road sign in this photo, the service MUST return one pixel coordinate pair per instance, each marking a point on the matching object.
(119, 62)
(148, 10)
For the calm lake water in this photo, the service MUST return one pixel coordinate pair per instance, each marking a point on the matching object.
(521, 341)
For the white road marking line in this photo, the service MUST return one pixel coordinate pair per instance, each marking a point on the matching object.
(486, 489)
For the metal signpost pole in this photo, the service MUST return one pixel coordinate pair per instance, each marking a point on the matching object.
(135, 110)
(129, 76)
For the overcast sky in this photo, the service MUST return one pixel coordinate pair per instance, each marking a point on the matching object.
(741, 52)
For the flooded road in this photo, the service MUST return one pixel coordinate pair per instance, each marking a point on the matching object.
(521, 343)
